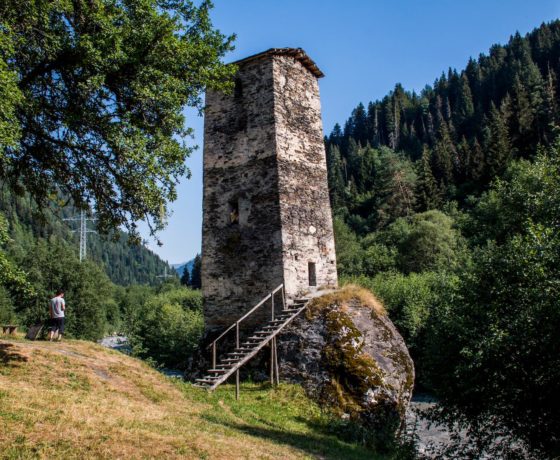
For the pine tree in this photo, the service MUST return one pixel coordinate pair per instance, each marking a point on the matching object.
(462, 160)
(496, 143)
(186, 277)
(395, 187)
(442, 157)
(335, 178)
(359, 124)
(523, 113)
(196, 281)
(336, 135)
(353, 160)
(549, 110)
(374, 135)
(427, 192)
(465, 106)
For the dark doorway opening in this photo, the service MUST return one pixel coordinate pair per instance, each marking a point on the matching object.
(311, 269)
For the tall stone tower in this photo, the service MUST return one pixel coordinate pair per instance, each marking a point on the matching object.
(267, 217)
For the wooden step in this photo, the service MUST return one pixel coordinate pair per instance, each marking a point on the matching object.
(216, 371)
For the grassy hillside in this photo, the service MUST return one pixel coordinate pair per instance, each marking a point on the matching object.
(78, 400)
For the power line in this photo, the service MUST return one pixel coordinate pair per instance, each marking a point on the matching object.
(84, 230)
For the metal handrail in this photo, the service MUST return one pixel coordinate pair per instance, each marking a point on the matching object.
(236, 324)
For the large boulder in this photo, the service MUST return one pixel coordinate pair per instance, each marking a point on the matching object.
(349, 357)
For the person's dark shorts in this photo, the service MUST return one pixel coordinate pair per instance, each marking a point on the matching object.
(57, 324)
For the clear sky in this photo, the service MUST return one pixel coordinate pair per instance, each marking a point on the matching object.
(364, 47)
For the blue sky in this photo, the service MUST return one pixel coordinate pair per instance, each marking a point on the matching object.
(364, 47)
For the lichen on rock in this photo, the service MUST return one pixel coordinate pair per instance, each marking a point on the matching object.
(350, 358)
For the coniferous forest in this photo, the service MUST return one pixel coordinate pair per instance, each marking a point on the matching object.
(447, 205)
(123, 262)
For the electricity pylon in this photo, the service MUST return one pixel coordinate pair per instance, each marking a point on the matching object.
(84, 230)
(165, 275)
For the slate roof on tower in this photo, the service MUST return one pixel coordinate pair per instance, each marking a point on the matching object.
(297, 54)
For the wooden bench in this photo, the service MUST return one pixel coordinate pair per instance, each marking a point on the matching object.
(9, 329)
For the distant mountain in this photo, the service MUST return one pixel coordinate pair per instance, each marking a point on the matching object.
(124, 263)
(180, 268)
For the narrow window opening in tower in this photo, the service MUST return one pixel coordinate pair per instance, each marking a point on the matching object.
(244, 210)
(312, 271)
(233, 212)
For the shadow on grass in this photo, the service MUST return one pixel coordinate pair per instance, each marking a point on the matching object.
(320, 444)
(9, 356)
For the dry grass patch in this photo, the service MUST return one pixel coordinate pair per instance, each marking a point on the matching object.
(76, 399)
(346, 295)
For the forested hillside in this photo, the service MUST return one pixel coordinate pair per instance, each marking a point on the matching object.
(453, 138)
(124, 263)
(447, 206)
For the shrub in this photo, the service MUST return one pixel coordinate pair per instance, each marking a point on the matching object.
(169, 328)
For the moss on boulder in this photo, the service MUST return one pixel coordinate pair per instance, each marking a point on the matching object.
(350, 358)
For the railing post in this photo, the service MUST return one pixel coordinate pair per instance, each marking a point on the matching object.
(237, 372)
(237, 334)
(272, 305)
(272, 362)
(214, 355)
(276, 372)
(283, 299)
(237, 385)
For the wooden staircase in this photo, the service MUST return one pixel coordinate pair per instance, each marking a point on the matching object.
(231, 362)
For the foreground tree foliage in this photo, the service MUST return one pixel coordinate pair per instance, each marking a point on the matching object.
(92, 94)
(500, 371)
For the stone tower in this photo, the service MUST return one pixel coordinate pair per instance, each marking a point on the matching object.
(266, 213)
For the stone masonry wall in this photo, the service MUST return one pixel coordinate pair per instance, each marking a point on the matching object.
(241, 261)
(305, 211)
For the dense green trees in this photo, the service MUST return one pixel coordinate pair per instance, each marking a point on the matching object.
(92, 96)
(168, 327)
(164, 323)
(475, 295)
(501, 369)
(447, 206)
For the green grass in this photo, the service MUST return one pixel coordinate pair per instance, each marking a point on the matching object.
(77, 400)
(281, 414)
